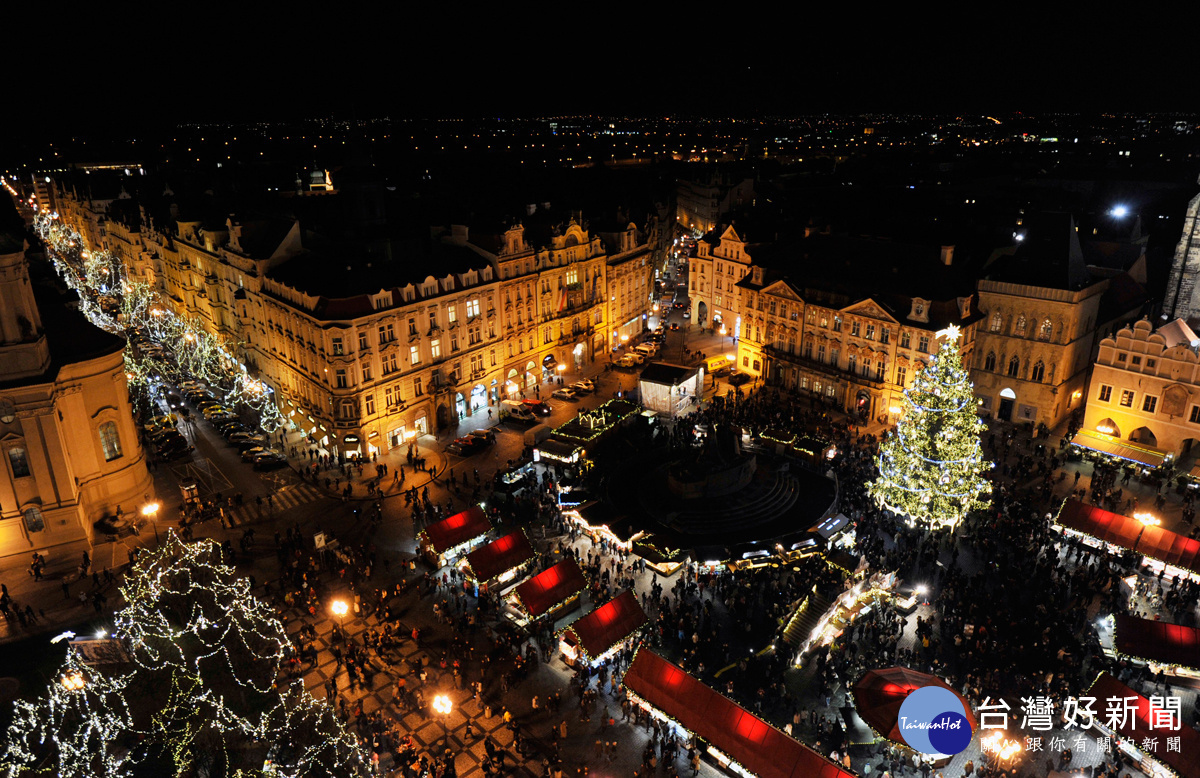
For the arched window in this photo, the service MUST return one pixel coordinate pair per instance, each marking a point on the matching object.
(1038, 372)
(997, 321)
(1047, 329)
(33, 519)
(1019, 329)
(1014, 366)
(19, 462)
(110, 441)
(989, 362)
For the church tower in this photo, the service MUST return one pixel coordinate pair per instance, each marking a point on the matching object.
(24, 351)
(1182, 300)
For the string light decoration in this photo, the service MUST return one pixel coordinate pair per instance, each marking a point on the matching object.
(931, 469)
(81, 728)
(206, 664)
(117, 303)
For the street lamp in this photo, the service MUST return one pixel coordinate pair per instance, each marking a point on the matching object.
(150, 510)
(442, 706)
(339, 609)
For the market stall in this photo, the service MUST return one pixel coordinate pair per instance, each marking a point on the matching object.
(1162, 762)
(1147, 458)
(736, 739)
(853, 603)
(879, 694)
(498, 562)
(1172, 648)
(1161, 549)
(551, 592)
(603, 632)
(1169, 552)
(445, 540)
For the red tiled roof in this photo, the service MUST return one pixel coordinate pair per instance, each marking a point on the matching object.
(607, 625)
(751, 742)
(459, 528)
(1101, 524)
(550, 587)
(1157, 641)
(498, 557)
(1186, 762)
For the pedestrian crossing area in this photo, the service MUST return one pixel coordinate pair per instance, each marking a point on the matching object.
(281, 501)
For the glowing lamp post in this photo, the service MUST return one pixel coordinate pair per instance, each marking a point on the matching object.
(339, 609)
(150, 511)
(442, 706)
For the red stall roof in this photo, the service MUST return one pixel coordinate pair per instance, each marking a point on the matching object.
(1170, 547)
(1186, 762)
(1101, 524)
(879, 694)
(550, 587)
(1171, 644)
(498, 557)
(609, 624)
(751, 742)
(456, 530)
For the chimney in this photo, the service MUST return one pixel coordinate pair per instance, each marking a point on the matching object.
(947, 255)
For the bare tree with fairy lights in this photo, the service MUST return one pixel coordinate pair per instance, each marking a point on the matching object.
(204, 692)
(931, 468)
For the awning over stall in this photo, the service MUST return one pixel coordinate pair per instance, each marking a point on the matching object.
(748, 740)
(1185, 762)
(609, 624)
(1170, 547)
(497, 558)
(460, 528)
(1157, 641)
(879, 694)
(550, 587)
(1124, 449)
(1100, 524)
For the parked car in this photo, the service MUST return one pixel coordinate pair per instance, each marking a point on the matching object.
(584, 387)
(737, 379)
(465, 446)
(627, 361)
(216, 410)
(538, 407)
(270, 460)
(259, 441)
(487, 436)
(241, 435)
(566, 393)
(687, 315)
(250, 453)
(674, 325)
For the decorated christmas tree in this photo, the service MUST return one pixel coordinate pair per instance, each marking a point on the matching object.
(931, 469)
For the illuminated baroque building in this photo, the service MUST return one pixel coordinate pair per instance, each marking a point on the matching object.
(1145, 387)
(70, 448)
(364, 351)
(835, 317)
(1043, 304)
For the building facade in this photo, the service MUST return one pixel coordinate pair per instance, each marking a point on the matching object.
(1182, 299)
(721, 261)
(71, 451)
(699, 204)
(366, 359)
(857, 356)
(1145, 387)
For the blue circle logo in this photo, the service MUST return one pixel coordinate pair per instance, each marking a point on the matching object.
(933, 721)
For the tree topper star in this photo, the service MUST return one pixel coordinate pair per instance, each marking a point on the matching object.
(951, 333)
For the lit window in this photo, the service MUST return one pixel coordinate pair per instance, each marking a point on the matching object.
(110, 441)
(1127, 398)
(414, 355)
(19, 462)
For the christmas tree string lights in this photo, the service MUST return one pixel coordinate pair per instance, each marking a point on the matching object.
(931, 468)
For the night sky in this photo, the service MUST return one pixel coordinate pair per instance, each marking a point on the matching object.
(229, 67)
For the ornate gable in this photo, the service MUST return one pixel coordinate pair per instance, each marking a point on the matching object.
(870, 309)
(781, 289)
